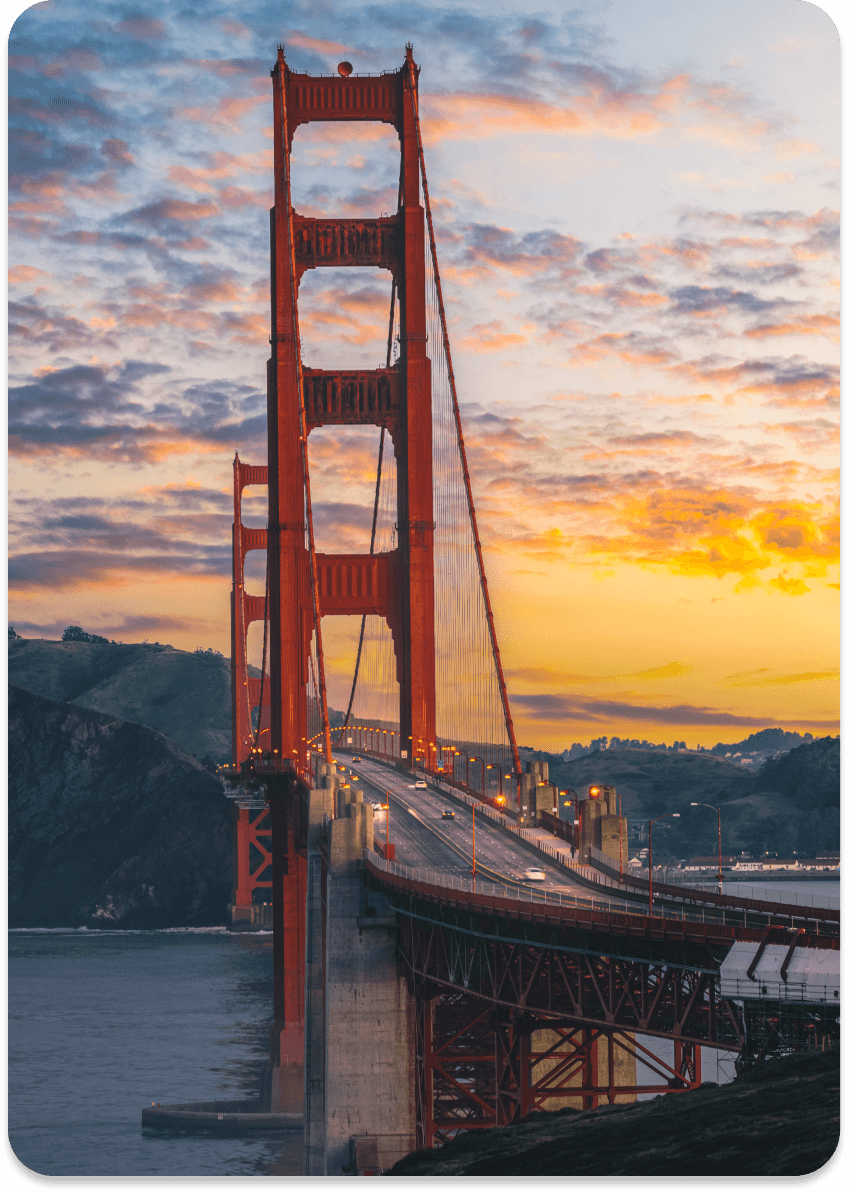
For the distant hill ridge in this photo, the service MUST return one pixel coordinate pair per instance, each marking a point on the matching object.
(789, 804)
(182, 694)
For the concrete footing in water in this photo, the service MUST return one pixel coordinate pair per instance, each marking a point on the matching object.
(259, 917)
(219, 1117)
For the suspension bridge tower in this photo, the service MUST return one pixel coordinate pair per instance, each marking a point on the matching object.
(394, 584)
(303, 585)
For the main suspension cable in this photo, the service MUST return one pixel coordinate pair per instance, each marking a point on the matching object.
(461, 443)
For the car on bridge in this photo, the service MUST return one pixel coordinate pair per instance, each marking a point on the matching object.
(448, 813)
(358, 759)
(421, 785)
(534, 875)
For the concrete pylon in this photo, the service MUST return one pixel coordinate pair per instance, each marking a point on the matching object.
(359, 1086)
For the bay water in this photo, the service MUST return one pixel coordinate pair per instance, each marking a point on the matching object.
(102, 1023)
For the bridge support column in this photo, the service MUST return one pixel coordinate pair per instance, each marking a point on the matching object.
(360, 1029)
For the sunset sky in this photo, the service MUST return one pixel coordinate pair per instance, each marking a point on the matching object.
(636, 216)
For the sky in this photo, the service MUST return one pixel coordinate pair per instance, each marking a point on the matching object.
(635, 207)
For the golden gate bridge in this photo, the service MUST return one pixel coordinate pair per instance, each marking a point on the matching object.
(414, 997)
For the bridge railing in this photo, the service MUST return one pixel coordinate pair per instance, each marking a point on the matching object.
(767, 901)
(619, 906)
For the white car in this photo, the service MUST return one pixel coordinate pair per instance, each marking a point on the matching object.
(421, 785)
(534, 875)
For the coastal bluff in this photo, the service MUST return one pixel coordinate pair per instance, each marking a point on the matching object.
(111, 824)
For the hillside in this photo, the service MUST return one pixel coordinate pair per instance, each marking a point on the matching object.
(184, 695)
(110, 824)
(809, 774)
(760, 809)
(780, 1119)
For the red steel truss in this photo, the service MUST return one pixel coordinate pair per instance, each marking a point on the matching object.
(561, 979)
(479, 1065)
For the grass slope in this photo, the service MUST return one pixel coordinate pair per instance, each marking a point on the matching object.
(781, 1119)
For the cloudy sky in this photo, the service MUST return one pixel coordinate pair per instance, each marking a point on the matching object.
(636, 211)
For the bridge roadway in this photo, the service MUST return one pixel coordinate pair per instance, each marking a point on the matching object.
(423, 839)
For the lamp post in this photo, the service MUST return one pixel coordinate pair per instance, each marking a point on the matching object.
(466, 756)
(483, 780)
(669, 815)
(474, 864)
(619, 793)
(495, 766)
(719, 835)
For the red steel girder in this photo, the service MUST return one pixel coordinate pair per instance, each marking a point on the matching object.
(364, 397)
(334, 243)
(652, 997)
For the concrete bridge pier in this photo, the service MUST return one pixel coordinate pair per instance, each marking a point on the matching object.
(359, 1087)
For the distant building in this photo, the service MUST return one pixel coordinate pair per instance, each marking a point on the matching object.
(708, 862)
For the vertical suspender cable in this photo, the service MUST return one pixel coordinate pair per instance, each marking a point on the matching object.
(377, 485)
(376, 504)
(461, 444)
(316, 610)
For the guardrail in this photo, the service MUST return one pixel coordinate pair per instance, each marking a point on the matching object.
(595, 876)
(620, 907)
(828, 908)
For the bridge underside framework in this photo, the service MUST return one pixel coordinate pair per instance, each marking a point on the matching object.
(481, 1064)
(506, 1024)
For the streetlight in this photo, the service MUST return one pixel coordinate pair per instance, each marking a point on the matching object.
(621, 872)
(669, 815)
(483, 780)
(719, 834)
(495, 766)
(474, 869)
(466, 756)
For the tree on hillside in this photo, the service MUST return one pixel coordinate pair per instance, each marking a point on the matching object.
(74, 633)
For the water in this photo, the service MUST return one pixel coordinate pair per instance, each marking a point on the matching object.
(103, 1023)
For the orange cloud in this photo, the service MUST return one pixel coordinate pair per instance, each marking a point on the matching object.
(20, 274)
(304, 42)
(624, 345)
(489, 337)
(828, 325)
(230, 111)
(790, 587)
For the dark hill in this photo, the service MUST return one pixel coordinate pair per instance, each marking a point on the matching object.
(184, 695)
(780, 1119)
(762, 811)
(809, 774)
(654, 783)
(110, 824)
